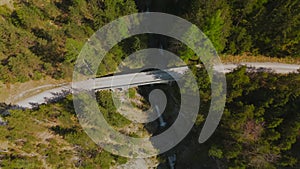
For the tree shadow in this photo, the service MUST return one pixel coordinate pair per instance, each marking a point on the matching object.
(63, 131)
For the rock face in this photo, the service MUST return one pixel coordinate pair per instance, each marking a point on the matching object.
(2, 122)
(4, 113)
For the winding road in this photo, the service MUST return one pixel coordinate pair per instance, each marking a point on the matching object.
(143, 78)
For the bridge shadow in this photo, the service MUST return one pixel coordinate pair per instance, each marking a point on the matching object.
(167, 74)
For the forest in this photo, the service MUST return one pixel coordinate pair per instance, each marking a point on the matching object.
(259, 129)
(43, 38)
(260, 126)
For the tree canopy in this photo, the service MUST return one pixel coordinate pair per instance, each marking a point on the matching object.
(50, 34)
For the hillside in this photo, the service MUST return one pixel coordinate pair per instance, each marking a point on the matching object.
(259, 129)
(43, 38)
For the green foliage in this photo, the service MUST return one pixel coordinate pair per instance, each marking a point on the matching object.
(213, 18)
(214, 29)
(260, 119)
(264, 27)
(259, 127)
(131, 93)
(73, 48)
(261, 123)
(283, 16)
(108, 109)
(50, 137)
(51, 33)
(215, 152)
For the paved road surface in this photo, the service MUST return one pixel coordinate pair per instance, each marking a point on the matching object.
(43, 97)
(143, 78)
(276, 67)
